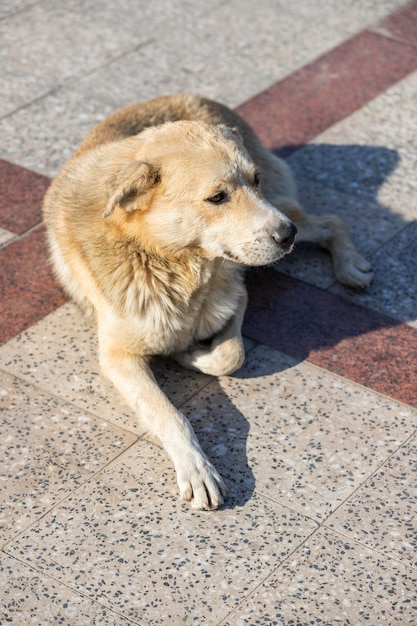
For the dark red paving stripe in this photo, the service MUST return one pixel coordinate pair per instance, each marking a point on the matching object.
(402, 24)
(308, 323)
(21, 193)
(300, 107)
(28, 290)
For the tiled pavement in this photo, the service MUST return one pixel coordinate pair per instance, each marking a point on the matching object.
(316, 435)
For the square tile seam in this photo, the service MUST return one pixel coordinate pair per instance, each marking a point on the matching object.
(372, 27)
(60, 583)
(266, 496)
(330, 531)
(75, 79)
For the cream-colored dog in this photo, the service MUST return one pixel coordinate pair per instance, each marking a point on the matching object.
(150, 224)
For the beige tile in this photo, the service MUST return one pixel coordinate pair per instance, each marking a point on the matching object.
(298, 434)
(332, 580)
(28, 597)
(398, 103)
(383, 513)
(125, 540)
(5, 236)
(374, 157)
(48, 448)
(59, 354)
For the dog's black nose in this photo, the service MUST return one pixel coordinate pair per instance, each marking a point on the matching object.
(285, 234)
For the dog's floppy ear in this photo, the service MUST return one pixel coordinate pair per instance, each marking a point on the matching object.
(134, 179)
(232, 131)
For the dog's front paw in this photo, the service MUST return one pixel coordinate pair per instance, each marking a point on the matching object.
(354, 271)
(200, 483)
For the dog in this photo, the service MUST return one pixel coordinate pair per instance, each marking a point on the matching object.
(150, 225)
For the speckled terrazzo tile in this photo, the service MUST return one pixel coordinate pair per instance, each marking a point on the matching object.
(8, 7)
(54, 127)
(181, 60)
(366, 155)
(383, 512)
(301, 435)
(27, 597)
(127, 542)
(5, 236)
(398, 103)
(58, 42)
(59, 354)
(393, 290)
(331, 580)
(48, 448)
(356, 13)
(369, 224)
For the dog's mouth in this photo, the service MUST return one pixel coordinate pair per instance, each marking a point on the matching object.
(255, 254)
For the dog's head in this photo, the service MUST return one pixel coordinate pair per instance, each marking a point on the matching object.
(191, 186)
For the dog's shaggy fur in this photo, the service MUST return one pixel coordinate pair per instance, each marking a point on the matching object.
(150, 224)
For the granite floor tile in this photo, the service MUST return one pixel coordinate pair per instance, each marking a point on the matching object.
(353, 14)
(48, 448)
(397, 103)
(182, 60)
(360, 344)
(332, 580)
(59, 354)
(55, 126)
(27, 597)
(297, 109)
(29, 292)
(402, 24)
(296, 433)
(379, 163)
(125, 540)
(5, 236)
(61, 42)
(21, 195)
(394, 261)
(382, 514)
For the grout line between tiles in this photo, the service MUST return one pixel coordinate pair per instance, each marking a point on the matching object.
(74, 589)
(76, 79)
(357, 384)
(71, 493)
(308, 538)
(371, 475)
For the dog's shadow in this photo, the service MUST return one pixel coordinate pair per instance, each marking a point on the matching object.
(284, 315)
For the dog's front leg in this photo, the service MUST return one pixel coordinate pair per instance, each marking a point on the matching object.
(224, 354)
(198, 481)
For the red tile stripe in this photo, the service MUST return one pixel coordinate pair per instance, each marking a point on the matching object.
(21, 193)
(28, 290)
(308, 323)
(300, 107)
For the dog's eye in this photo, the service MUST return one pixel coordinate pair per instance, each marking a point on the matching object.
(218, 198)
(256, 180)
